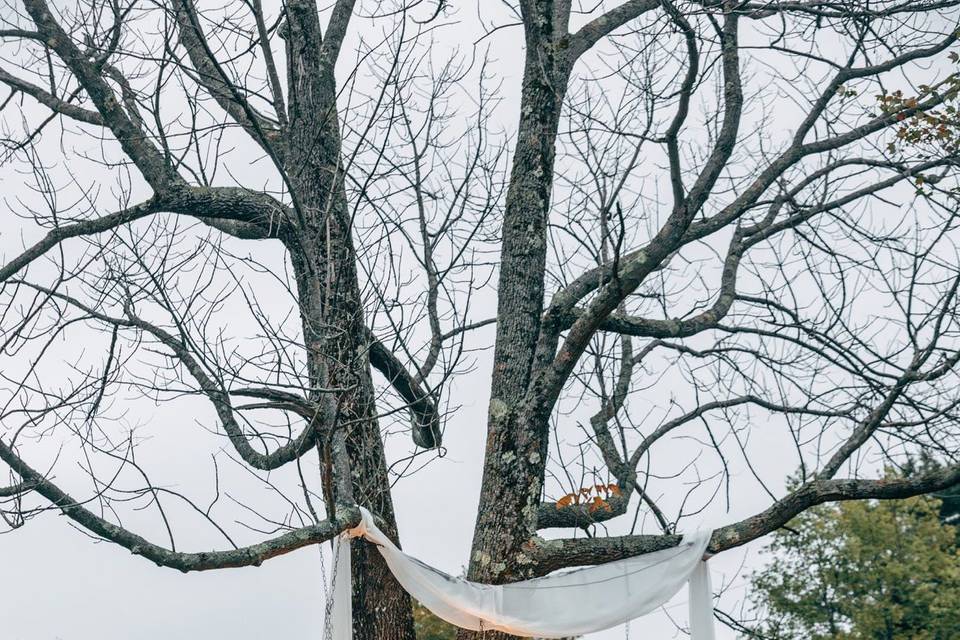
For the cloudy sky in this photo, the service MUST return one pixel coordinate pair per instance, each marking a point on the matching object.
(58, 584)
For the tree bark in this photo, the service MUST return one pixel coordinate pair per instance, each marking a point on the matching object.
(517, 436)
(334, 333)
(334, 326)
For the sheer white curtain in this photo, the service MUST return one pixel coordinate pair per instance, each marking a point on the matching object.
(559, 605)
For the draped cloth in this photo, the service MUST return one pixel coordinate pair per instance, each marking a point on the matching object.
(558, 605)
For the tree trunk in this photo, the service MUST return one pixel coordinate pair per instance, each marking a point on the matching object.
(517, 436)
(335, 338)
(331, 308)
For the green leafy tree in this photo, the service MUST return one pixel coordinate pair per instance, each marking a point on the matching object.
(949, 497)
(862, 571)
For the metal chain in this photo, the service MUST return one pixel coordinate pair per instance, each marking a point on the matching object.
(329, 588)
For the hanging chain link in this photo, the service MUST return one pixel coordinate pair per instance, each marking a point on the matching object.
(329, 588)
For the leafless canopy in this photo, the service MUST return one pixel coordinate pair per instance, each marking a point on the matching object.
(716, 228)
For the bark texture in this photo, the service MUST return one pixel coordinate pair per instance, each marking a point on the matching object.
(517, 438)
(334, 328)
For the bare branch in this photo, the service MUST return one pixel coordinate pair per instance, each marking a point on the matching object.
(253, 555)
(422, 404)
(86, 228)
(594, 31)
(582, 551)
(51, 101)
(213, 77)
(132, 138)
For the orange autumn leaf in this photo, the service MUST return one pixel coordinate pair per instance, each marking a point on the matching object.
(595, 503)
(599, 503)
(565, 501)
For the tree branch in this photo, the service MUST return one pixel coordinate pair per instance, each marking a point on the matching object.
(598, 28)
(422, 404)
(211, 76)
(252, 555)
(244, 213)
(86, 228)
(336, 32)
(134, 141)
(52, 102)
(556, 554)
(16, 489)
(221, 402)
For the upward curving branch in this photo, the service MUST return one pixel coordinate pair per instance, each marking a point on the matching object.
(595, 30)
(52, 102)
(134, 140)
(212, 76)
(75, 230)
(323, 416)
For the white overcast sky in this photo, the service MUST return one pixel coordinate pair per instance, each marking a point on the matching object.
(58, 584)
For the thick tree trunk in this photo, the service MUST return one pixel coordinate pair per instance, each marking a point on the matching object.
(335, 337)
(333, 328)
(332, 313)
(517, 435)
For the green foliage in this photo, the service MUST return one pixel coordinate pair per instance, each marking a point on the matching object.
(950, 498)
(429, 626)
(862, 571)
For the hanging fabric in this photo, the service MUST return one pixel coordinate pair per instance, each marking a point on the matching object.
(559, 605)
(701, 601)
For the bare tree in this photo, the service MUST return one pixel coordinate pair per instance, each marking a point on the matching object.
(696, 239)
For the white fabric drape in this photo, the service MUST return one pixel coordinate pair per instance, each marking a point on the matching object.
(701, 602)
(559, 605)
